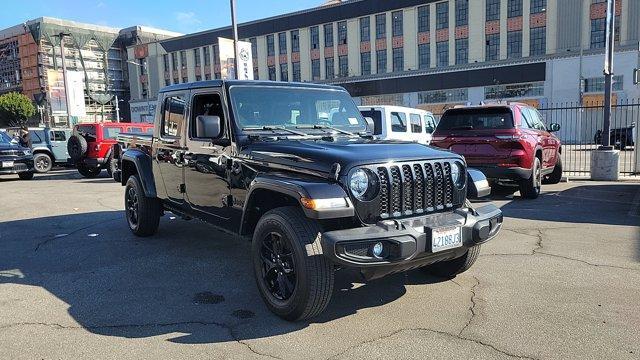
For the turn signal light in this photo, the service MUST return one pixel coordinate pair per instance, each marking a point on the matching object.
(323, 204)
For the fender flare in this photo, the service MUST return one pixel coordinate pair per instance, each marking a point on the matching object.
(298, 188)
(141, 162)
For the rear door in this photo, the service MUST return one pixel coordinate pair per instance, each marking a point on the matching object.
(59, 145)
(398, 125)
(548, 142)
(416, 128)
(429, 127)
(482, 135)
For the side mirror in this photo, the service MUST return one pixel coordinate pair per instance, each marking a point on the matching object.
(554, 127)
(208, 127)
(477, 184)
(370, 124)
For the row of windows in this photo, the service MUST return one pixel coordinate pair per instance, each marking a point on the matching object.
(514, 8)
(498, 92)
(593, 85)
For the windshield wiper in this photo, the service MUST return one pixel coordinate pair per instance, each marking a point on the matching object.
(274, 129)
(326, 127)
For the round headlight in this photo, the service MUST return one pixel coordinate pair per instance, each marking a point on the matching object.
(359, 183)
(458, 174)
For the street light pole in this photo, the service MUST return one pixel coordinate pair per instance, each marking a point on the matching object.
(608, 73)
(146, 71)
(117, 110)
(234, 25)
(64, 77)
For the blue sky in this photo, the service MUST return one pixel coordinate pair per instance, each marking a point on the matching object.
(184, 16)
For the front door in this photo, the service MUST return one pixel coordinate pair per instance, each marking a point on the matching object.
(208, 163)
(169, 150)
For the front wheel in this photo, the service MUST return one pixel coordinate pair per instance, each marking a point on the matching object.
(530, 188)
(294, 278)
(143, 213)
(89, 172)
(42, 163)
(450, 268)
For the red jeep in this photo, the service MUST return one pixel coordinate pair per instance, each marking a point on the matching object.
(508, 142)
(90, 145)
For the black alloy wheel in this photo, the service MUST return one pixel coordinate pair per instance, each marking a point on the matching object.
(278, 266)
(132, 207)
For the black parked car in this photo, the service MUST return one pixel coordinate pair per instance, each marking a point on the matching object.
(312, 193)
(620, 137)
(15, 159)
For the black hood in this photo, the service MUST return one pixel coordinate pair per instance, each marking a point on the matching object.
(320, 155)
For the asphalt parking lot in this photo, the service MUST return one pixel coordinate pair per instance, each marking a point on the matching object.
(561, 281)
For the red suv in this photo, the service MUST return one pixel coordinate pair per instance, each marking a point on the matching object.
(508, 142)
(90, 145)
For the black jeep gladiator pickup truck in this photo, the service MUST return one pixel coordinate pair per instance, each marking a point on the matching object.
(293, 168)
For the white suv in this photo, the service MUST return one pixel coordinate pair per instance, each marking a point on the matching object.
(400, 123)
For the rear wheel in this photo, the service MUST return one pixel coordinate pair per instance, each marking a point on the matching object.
(42, 163)
(89, 171)
(294, 278)
(556, 175)
(451, 268)
(143, 213)
(27, 175)
(530, 188)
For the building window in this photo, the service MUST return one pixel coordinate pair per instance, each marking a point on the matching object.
(254, 48)
(365, 63)
(217, 75)
(196, 56)
(185, 80)
(514, 44)
(365, 29)
(198, 77)
(442, 15)
(165, 60)
(398, 59)
(514, 8)
(538, 6)
(493, 10)
(176, 80)
(381, 26)
(596, 85)
(462, 12)
(207, 76)
(328, 35)
(282, 43)
(492, 47)
(256, 73)
(315, 69)
(443, 96)
(216, 55)
(462, 51)
(284, 72)
(442, 53)
(396, 23)
(494, 92)
(315, 37)
(343, 66)
(183, 59)
(295, 40)
(329, 69)
(598, 33)
(423, 18)
(272, 73)
(538, 41)
(342, 33)
(381, 61)
(296, 71)
(174, 62)
(206, 53)
(271, 47)
(424, 56)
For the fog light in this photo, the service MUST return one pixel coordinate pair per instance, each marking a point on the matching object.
(377, 250)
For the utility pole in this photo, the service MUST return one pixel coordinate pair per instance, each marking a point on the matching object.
(608, 74)
(234, 25)
(117, 110)
(64, 78)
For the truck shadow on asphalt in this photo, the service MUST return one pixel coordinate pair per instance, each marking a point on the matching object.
(188, 279)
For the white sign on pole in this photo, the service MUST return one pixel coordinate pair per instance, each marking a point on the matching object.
(245, 59)
(75, 84)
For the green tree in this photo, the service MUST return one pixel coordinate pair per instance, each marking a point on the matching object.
(15, 109)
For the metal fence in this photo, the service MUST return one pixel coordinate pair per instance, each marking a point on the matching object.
(581, 133)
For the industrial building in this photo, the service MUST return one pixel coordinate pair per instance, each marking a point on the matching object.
(420, 53)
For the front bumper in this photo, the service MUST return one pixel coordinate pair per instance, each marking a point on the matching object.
(409, 241)
(20, 165)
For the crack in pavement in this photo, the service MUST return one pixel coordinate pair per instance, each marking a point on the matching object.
(46, 241)
(418, 329)
(472, 308)
(228, 327)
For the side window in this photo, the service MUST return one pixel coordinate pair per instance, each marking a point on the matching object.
(416, 123)
(538, 119)
(208, 105)
(398, 122)
(527, 121)
(429, 124)
(37, 136)
(58, 136)
(173, 115)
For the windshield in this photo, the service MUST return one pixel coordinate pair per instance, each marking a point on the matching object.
(256, 107)
(4, 138)
(111, 132)
(476, 119)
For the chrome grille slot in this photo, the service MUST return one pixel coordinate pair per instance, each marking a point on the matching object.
(383, 176)
(419, 188)
(448, 189)
(396, 192)
(429, 192)
(407, 190)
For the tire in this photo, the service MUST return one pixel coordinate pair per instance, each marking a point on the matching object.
(89, 172)
(556, 175)
(112, 166)
(27, 175)
(42, 163)
(76, 147)
(530, 188)
(142, 213)
(450, 268)
(286, 233)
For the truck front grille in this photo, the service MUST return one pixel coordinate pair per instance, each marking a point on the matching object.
(11, 153)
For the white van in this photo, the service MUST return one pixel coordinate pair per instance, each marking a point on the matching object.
(400, 123)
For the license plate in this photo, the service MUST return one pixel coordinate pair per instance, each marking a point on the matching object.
(445, 238)
(7, 164)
